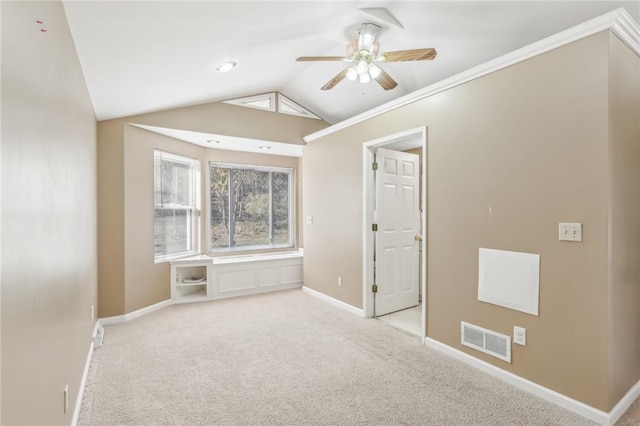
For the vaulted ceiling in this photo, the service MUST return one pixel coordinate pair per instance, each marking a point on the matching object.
(143, 56)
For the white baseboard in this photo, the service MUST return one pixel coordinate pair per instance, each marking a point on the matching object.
(83, 381)
(160, 305)
(135, 314)
(625, 402)
(552, 396)
(335, 302)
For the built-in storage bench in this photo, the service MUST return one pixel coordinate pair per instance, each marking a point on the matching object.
(190, 279)
(232, 276)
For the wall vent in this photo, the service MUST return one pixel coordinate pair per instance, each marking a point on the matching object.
(487, 341)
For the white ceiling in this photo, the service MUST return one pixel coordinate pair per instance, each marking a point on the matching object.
(143, 56)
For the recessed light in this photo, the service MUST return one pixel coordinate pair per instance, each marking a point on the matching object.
(265, 147)
(226, 66)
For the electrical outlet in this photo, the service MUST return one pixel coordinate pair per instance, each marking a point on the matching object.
(570, 231)
(519, 335)
(339, 281)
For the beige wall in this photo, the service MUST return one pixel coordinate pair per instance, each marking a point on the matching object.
(145, 282)
(128, 277)
(530, 142)
(110, 219)
(624, 219)
(49, 261)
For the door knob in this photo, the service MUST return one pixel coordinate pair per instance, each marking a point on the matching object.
(418, 237)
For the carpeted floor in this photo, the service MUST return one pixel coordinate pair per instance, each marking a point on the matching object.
(632, 416)
(289, 359)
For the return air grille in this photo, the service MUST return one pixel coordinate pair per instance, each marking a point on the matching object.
(487, 341)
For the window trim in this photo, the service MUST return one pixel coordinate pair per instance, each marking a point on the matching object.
(292, 208)
(196, 208)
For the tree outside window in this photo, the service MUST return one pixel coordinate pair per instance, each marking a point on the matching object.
(251, 207)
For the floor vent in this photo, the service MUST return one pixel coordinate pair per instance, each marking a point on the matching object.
(487, 341)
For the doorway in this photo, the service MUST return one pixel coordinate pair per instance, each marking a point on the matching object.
(373, 287)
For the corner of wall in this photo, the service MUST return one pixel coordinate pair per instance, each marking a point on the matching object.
(110, 142)
(623, 222)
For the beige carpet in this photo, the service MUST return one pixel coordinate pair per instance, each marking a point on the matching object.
(289, 359)
(632, 416)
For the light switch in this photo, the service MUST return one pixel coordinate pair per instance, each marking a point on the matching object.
(309, 220)
(570, 232)
(519, 335)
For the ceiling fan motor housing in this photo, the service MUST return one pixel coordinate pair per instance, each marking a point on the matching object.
(367, 36)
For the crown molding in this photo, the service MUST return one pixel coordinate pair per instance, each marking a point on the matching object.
(618, 21)
(627, 30)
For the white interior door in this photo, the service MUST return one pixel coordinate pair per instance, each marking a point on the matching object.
(397, 206)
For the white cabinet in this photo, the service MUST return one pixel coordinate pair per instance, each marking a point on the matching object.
(200, 278)
(190, 279)
(252, 274)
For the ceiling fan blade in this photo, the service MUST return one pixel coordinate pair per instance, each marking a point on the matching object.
(409, 55)
(385, 80)
(319, 58)
(335, 80)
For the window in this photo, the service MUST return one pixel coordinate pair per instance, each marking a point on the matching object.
(251, 207)
(175, 203)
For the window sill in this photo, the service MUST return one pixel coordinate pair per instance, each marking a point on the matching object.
(168, 259)
(243, 258)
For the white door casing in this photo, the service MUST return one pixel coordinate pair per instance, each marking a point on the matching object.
(397, 206)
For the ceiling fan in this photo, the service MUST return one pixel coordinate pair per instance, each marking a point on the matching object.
(363, 54)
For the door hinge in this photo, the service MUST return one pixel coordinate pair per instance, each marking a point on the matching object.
(374, 288)
(374, 166)
(374, 227)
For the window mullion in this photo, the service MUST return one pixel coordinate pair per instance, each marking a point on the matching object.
(290, 200)
(175, 227)
(271, 207)
(232, 216)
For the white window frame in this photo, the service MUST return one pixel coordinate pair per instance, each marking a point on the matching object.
(291, 211)
(194, 189)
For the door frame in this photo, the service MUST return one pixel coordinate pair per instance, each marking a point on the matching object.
(414, 138)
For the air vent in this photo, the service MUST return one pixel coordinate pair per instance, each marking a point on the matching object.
(487, 341)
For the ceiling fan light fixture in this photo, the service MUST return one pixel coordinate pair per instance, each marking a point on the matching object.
(352, 73)
(365, 78)
(362, 67)
(374, 71)
(226, 66)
